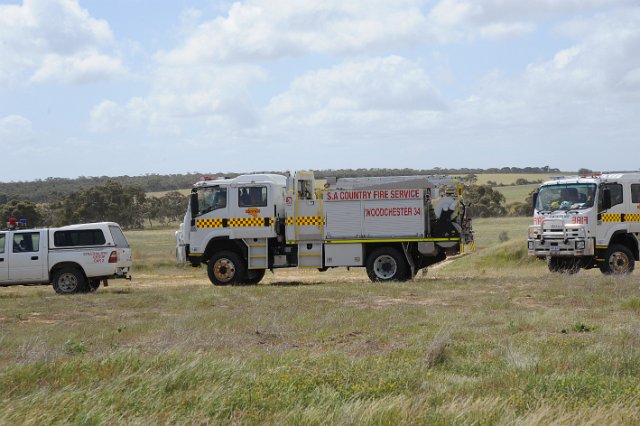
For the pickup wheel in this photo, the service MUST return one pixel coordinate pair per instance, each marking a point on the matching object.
(618, 260)
(226, 268)
(387, 264)
(69, 281)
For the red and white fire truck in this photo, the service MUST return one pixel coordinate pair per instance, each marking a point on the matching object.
(393, 226)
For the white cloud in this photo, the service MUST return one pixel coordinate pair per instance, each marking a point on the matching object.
(15, 131)
(277, 28)
(47, 39)
(361, 92)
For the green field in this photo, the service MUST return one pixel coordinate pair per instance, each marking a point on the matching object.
(491, 337)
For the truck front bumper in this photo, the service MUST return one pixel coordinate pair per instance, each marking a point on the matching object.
(560, 247)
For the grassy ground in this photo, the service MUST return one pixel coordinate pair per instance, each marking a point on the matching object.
(491, 337)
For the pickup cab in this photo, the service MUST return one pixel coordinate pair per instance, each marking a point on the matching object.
(74, 258)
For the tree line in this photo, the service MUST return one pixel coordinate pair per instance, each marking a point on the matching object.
(127, 205)
(51, 189)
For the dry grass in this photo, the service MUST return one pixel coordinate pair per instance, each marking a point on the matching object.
(489, 338)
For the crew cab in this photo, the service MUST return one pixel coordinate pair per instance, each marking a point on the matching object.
(74, 258)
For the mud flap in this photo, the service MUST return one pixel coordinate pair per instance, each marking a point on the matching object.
(407, 254)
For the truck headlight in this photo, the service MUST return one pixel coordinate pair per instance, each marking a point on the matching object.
(580, 245)
(534, 232)
(531, 245)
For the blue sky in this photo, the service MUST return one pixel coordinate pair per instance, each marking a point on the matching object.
(94, 87)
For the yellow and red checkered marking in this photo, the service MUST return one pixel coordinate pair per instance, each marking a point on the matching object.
(632, 217)
(306, 221)
(209, 223)
(246, 221)
(234, 222)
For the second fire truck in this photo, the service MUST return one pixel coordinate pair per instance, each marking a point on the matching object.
(392, 226)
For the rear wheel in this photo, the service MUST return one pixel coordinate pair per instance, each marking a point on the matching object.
(618, 260)
(387, 264)
(226, 268)
(69, 281)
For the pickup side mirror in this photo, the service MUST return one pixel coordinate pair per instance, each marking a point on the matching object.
(606, 199)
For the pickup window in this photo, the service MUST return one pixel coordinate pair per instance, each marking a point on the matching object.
(76, 238)
(26, 242)
(118, 237)
(1, 243)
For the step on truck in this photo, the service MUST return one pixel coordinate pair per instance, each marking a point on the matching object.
(74, 258)
(392, 226)
(587, 221)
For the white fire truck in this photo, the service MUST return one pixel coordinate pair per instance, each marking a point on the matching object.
(393, 226)
(587, 221)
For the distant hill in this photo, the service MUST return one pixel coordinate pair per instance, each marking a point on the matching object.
(43, 190)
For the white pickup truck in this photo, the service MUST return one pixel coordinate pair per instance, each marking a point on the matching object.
(75, 258)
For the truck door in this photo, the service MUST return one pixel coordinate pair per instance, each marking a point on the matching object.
(27, 260)
(4, 263)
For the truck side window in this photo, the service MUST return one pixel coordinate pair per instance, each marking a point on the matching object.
(211, 199)
(27, 242)
(252, 196)
(635, 193)
(2, 239)
(616, 193)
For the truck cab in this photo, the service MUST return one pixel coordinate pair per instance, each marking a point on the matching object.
(587, 221)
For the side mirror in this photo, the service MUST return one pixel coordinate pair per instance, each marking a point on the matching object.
(193, 202)
(606, 199)
(534, 200)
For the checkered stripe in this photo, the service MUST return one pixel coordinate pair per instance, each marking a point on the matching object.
(632, 217)
(306, 221)
(234, 222)
(612, 217)
(209, 223)
(246, 221)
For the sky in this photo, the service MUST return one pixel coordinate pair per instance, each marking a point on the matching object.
(134, 87)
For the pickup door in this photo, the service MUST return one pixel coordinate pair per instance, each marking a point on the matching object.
(27, 256)
(4, 264)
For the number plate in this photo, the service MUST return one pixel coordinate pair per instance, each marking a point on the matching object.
(555, 248)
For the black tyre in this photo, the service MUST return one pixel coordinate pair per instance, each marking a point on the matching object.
(69, 281)
(563, 265)
(94, 283)
(387, 264)
(618, 260)
(226, 268)
(254, 276)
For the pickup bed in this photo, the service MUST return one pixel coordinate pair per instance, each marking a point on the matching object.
(75, 258)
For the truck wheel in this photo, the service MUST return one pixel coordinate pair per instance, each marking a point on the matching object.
(617, 261)
(68, 281)
(387, 264)
(562, 265)
(254, 276)
(226, 268)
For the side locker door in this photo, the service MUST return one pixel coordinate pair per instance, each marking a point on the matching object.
(28, 261)
(4, 261)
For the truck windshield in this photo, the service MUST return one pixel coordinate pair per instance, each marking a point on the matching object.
(573, 196)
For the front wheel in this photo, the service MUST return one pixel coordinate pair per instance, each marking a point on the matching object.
(226, 268)
(387, 264)
(618, 260)
(69, 281)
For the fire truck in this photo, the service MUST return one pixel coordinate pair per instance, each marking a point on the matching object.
(392, 226)
(587, 221)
